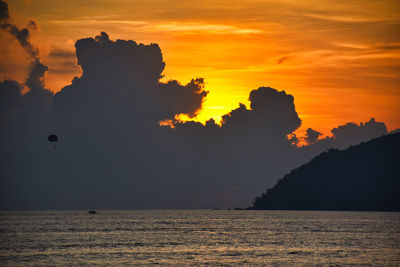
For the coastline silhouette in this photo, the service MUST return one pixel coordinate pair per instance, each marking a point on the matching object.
(364, 177)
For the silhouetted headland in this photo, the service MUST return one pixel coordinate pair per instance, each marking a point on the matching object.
(365, 177)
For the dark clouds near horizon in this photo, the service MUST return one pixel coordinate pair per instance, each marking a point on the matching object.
(37, 97)
(112, 152)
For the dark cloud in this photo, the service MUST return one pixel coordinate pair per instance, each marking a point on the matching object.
(71, 65)
(10, 95)
(69, 69)
(62, 54)
(21, 35)
(112, 152)
(272, 115)
(100, 56)
(275, 109)
(63, 61)
(347, 135)
(38, 97)
(387, 46)
(281, 60)
(352, 133)
(4, 13)
(125, 75)
(35, 79)
(178, 99)
(248, 149)
(32, 24)
(312, 136)
(293, 139)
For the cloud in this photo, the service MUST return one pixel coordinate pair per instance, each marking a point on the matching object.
(12, 99)
(113, 153)
(349, 134)
(107, 121)
(370, 48)
(22, 35)
(62, 54)
(281, 60)
(100, 56)
(312, 136)
(352, 133)
(386, 46)
(130, 75)
(272, 113)
(345, 19)
(271, 117)
(170, 27)
(294, 139)
(38, 97)
(32, 24)
(202, 27)
(179, 99)
(10, 95)
(4, 13)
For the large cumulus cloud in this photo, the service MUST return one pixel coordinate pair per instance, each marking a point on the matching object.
(113, 153)
(123, 76)
(272, 113)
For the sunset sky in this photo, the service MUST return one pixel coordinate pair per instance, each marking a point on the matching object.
(340, 60)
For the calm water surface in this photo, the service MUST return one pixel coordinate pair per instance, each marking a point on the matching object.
(199, 237)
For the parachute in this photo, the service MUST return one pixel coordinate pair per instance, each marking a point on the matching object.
(53, 139)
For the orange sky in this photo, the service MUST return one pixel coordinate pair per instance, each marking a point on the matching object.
(339, 59)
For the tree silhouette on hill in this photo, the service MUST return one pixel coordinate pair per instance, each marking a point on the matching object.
(362, 177)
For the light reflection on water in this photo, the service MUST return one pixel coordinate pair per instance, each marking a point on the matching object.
(203, 237)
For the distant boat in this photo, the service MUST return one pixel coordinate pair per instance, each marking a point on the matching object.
(92, 212)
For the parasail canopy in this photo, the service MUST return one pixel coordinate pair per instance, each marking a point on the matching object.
(52, 138)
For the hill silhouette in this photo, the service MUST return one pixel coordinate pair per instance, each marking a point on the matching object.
(362, 177)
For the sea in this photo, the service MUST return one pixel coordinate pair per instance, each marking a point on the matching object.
(199, 238)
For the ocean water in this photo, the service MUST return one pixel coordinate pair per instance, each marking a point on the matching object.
(199, 237)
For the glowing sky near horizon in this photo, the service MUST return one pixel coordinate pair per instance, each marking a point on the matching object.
(340, 60)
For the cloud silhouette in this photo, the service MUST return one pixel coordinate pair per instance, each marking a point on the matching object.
(62, 54)
(281, 60)
(32, 24)
(352, 133)
(272, 115)
(312, 136)
(124, 76)
(10, 95)
(22, 35)
(347, 135)
(112, 152)
(37, 97)
(4, 13)
(179, 99)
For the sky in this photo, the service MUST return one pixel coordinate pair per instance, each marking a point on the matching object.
(184, 105)
(339, 59)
